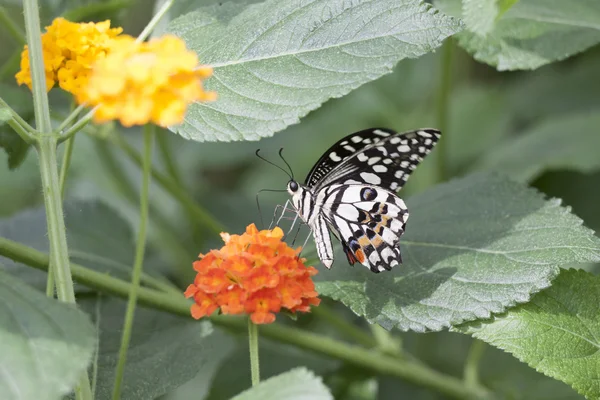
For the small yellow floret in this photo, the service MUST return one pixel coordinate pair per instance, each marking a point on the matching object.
(142, 82)
(69, 50)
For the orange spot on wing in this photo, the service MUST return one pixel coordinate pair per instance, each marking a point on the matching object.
(360, 256)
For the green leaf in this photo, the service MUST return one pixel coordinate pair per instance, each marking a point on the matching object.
(297, 384)
(532, 33)
(568, 142)
(233, 375)
(479, 15)
(556, 333)
(98, 239)
(473, 247)
(276, 61)
(45, 345)
(165, 351)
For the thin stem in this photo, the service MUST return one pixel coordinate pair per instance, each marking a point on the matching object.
(471, 371)
(442, 106)
(7, 22)
(195, 211)
(138, 262)
(165, 152)
(167, 237)
(253, 344)
(70, 118)
(385, 341)
(77, 126)
(57, 236)
(365, 358)
(155, 20)
(66, 163)
(342, 325)
(36, 62)
(22, 132)
(28, 129)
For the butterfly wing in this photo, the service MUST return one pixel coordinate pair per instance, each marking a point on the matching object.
(368, 220)
(378, 157)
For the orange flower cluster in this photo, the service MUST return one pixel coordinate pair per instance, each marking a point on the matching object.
(69, 50)
(255, 273)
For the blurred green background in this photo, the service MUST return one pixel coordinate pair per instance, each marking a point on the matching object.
(487, 111)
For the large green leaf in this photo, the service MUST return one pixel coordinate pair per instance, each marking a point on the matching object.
(98, 238)
(480, 15)
(556, 333)
(276, 61)
(473, 247)
(165, 351)
(569, 142)
(297, 384)
(532, 33)
(44, 345)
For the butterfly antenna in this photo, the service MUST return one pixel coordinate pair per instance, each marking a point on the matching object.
(286, 163)
(273, 164)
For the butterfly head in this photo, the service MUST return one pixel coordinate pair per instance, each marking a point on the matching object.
(292, 187)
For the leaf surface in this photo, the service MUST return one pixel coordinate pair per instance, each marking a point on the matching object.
(45, 345)
(473, 246)
(276, 61)
(557, 333)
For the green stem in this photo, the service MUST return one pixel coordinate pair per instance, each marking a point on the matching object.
(195, 211)
(27, 130)
(253, 344)
(70, 118)
(167, 237)
(343, 326)
(138, 263)
(8, 23)
(57, 237)
(77, 126)
(442, 106)
(369, 359)
(155, 20)
(165, 152)
(36, 62)
(471, 372)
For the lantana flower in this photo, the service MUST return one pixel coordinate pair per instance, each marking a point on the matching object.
(69, 50)
(140, 82)
(254, 273)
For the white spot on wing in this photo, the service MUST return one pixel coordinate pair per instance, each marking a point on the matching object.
(379, 168)
(370, 178)
(335, 157)
(347, 211)
(403, 149)
(362, 157)
(350, 148)
(395, 140)
(381, 133)
(356, 139)
(373, 160)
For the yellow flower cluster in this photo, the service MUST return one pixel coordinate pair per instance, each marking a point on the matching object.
(69, 51)
(138, 82)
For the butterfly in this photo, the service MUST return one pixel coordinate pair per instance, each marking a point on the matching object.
(351, 192)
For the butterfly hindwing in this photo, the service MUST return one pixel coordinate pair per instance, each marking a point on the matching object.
(378, 157)
(369, 221)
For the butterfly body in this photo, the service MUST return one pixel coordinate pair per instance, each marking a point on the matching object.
(351, 192)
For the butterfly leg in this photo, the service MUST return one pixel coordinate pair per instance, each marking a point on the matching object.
(283, 208)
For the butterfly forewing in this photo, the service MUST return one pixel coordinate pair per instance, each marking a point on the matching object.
(352, 191)
(378, 157)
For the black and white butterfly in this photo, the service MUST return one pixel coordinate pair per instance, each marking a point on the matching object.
(351, 191)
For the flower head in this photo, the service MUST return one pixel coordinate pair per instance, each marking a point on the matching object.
(254, 273)
(69, 50)
(140, 82)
